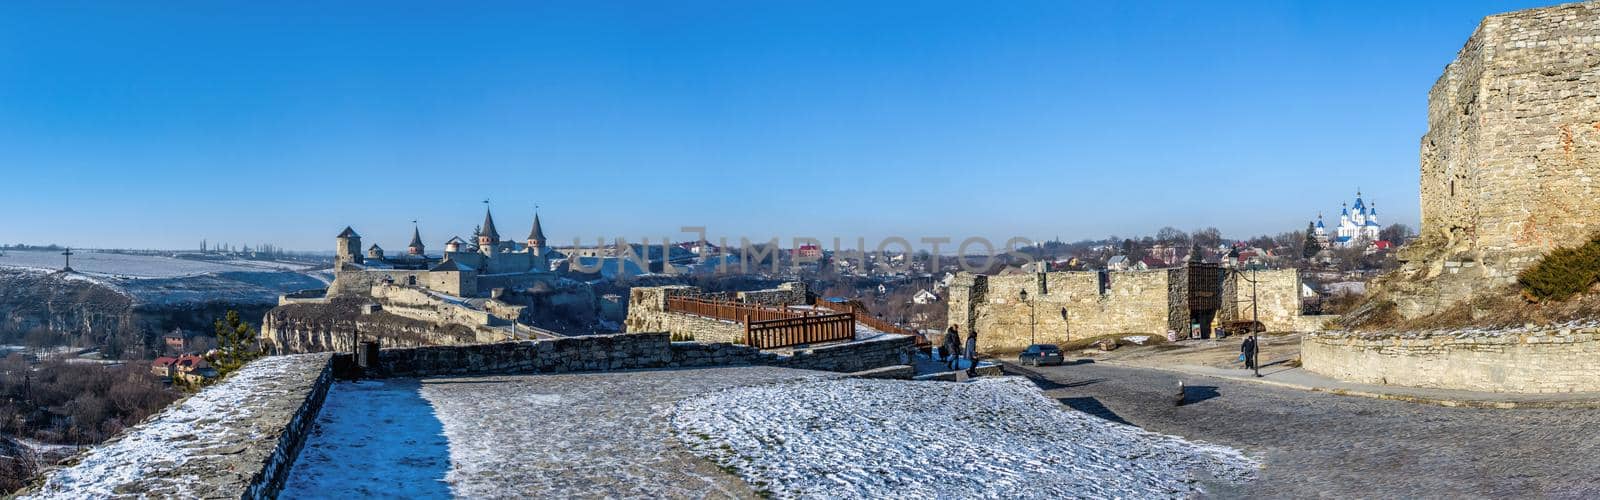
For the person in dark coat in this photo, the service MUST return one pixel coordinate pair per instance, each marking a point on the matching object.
(1248, 349)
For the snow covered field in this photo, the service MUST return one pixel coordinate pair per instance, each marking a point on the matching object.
(992, 438)
(138, 266)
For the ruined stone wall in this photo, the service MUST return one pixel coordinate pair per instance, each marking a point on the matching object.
(786, 294)
(647, 312)
(630, 351)
(1277, 292)
(1134, 302)
(1541, 360)
(1508, 162)
(418, 304)
(335, 326)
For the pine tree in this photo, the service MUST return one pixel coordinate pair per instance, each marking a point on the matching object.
(236, 343)
(1312, 246)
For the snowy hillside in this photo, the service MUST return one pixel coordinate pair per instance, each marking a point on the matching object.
(993, 438)
(94, 263)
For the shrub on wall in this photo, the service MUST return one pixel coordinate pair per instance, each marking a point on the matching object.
(1563, 273)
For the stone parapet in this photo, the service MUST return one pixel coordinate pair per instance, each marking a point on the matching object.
(1551, 359)
(236, 439)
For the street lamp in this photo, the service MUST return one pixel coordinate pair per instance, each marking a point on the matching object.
(1255, 320)
(1031, 326)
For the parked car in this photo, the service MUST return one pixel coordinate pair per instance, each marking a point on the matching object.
(1041, 354)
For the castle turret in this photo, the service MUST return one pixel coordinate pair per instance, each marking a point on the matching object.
(488, 236)
(348, 248)
(536, 237)
(415, 248)
(375, 252)
(454, 245)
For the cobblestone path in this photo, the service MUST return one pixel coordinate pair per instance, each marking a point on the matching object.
(1315, 444)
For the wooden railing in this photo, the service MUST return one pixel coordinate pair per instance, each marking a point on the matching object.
(786, 332)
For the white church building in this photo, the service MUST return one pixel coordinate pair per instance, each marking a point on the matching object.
(1355, 229)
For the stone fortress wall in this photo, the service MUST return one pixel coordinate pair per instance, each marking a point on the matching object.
(1064, 306)
(1508, 165)
(1537, 360)
(1508, 169)
(647, 312)
(793, 293)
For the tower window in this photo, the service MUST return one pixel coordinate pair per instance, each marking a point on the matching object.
(1452, 187)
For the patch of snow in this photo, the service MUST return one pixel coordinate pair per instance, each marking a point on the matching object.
(1137, 339)
(853, 438)
(150, 449)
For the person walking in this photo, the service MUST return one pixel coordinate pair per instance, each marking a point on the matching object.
(972, 353)
(1247, 350)
(952, 349)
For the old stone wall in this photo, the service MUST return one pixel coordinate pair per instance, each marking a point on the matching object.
(1277, 296)
(237, 439)
(334, 326)
(417, 303)
(1065, 306)
(786, 294)
(1537, 360)
(1507, 164)
(647, 312)
(630, 351)
(1060, 307)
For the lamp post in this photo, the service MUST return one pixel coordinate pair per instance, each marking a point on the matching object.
(1255, 320)
(1032, 327)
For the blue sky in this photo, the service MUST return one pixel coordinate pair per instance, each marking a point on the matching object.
(154, 126)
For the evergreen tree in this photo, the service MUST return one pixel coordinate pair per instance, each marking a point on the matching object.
(236, 343)
(1312, 246)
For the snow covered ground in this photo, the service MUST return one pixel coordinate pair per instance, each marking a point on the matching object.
(993, 438)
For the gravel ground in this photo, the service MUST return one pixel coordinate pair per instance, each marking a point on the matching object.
(1315, 444)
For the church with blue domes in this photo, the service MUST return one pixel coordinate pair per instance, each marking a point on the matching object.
(1359, 228)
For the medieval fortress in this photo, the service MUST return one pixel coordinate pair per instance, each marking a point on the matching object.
(466, 269)
(1509, 167)
(1511, 156)
(485, 290)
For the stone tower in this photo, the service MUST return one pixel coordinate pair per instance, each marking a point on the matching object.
(348, 249)
(1510, 156)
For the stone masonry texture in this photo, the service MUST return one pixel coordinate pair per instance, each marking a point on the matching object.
(1509, 162)
(1065, 306)
(1523, 360)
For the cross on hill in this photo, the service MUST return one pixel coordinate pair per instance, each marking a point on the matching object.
(68, 254)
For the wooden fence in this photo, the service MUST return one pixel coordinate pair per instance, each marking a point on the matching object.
(812, 329)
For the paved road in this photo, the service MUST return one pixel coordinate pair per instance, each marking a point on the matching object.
(1316, 444)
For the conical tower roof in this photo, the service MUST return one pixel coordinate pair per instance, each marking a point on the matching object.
(416, 238)
(488, 226)
(537, 234)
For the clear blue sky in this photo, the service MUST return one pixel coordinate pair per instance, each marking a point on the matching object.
(156, 126)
